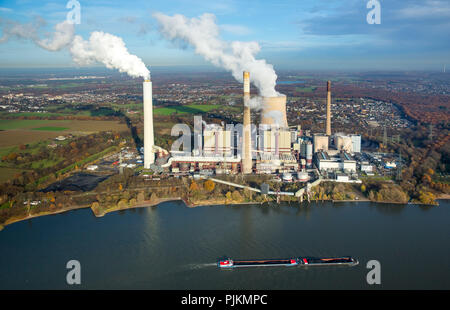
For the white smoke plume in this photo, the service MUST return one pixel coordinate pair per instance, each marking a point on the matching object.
(203, 34)
(109, 50)
(101, 47)
(62, 37)
(254, 103)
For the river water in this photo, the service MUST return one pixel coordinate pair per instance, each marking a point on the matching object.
(174, 247)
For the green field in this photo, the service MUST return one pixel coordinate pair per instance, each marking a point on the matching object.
(8, 124)
(185, 109)
(51, 128)
(306, 89)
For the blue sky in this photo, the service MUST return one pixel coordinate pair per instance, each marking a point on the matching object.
(300, 34)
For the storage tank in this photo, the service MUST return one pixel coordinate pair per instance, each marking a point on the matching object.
(303, 176)
(287, 177)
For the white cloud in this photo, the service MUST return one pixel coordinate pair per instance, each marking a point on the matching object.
(431, 8)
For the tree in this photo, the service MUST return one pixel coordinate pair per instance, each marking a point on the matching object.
(140, 197)
(236, 196)
(123, 203)
(209, 185)
(427, 198)
(153, 197)
(228, 195)
(363, 188)
(193, 187)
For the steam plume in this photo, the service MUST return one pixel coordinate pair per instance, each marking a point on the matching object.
(203, 34)
(111, 51)
(62, 37)
(101, 47)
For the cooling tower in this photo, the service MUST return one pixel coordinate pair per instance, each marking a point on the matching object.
(246, 154)
(149, 140)
(328, 123)
(274, 111)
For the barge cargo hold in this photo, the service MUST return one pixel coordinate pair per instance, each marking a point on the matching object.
(229, 263)
(314, 261)
(301, 261)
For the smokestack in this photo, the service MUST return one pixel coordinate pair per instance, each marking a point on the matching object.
(149, 140)
(328, 124)
(246, 154)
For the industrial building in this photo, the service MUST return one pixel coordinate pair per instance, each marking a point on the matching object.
(269, 163)
(320, 143)
(342, 162)
(217, 141)
(343, 143)
(356, 143)
(274, 141)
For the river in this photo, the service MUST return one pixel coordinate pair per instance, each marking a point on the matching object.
(171, 246)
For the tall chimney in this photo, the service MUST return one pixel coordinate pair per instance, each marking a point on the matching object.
(149, 140)
(328, 124)
(246, 154)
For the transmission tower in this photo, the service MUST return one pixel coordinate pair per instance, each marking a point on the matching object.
(385, 137)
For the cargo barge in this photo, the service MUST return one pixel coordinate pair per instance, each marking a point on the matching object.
(301, 261)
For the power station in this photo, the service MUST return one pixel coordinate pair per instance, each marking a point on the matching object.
(273, 148)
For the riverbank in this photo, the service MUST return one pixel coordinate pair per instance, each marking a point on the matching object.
(13, 220)
(100, 212)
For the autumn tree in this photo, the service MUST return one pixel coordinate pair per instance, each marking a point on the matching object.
(193, 187)
(209, 185)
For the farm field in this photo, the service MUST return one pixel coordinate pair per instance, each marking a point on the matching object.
(16, 132)
(8, 173)
(51, 128)
(9, 124)
(185, 109)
